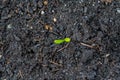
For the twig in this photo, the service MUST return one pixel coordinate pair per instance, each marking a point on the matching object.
(55, 63)
(63, 47)
(44, 65)
(91, 46)
(20, 73)
(87, 45)
(53, 53)
(55, 70)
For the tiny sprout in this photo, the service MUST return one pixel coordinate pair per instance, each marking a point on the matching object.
(60, 41)
(67, 39)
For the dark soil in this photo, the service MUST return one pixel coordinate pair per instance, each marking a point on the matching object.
(27, 51)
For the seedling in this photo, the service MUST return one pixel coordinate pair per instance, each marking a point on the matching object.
(60, 41)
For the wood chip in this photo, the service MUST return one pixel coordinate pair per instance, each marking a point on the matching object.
(48, 27)
(45, 2)
(55, 63)
(84, 44)
(106, 1)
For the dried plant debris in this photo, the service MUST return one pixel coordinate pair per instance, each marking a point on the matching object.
(48, 27)
(106, 1)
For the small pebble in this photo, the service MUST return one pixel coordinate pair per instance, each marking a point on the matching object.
(42, 12)
(118, 10)
(45, 2)
(31, 27)
(93, 4)
(107, 55)
(0, 56)
(81, 24)
(54, 19)
(98, 1)
(9, 26)
(65, 5)
(53, 11)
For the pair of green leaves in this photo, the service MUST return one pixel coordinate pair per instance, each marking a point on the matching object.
(60, 41)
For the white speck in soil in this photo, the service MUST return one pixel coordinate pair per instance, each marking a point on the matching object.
(65, 5)
(66, 73)
(98, 1)
(42, 12)
(107, 55)
(54, 19)
(0, 56)
(53, 11)
(45, 73)
(9, 26)
(80, 1)
(31, 27)
(81, 24)
(93, 4)
(27, 25)
(85, 17)
(118, 10)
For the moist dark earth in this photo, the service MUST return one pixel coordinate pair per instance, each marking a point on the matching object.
(28, 29)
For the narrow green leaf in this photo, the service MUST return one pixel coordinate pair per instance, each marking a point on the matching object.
(67, 39)
(59, 41)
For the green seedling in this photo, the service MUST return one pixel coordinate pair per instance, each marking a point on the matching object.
(60, 41)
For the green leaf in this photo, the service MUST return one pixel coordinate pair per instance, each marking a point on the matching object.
(59, 41)
(67, 39)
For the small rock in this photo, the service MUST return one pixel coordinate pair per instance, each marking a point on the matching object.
(53, 11)
(31, 27)
(118, 10)
(0, 56)
(54, 19)
(45, 2)
(9, 26)
(42, 12)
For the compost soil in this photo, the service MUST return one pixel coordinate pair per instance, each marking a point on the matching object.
(28, 29)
